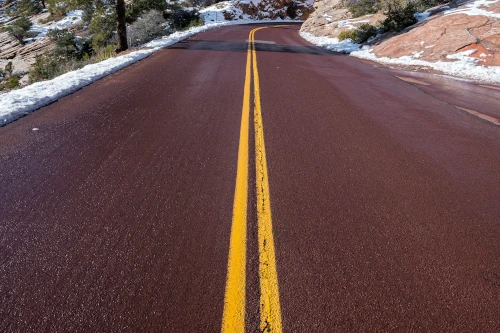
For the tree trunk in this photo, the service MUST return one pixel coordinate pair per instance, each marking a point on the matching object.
(121, 28)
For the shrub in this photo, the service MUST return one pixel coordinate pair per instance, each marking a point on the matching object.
(28, 7)
(195, 23)
(68, 45)
(365, 32)
(50, 65)
(348, 34)
(359, 35)
(83, 47)
(363, 7)
(138, 7)
(102, 27)
(146, 28)
(20, 29)
(400, 15)
(180, 18)
(64, 39)
(103, 53)
(57, 9)
(88, 12)
(9, 68)
(11, 83)
(45, 67)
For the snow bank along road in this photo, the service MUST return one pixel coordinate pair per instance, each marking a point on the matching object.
(220, 186)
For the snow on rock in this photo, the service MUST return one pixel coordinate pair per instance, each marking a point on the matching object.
(465, 66)
(416, 55)
(462, 56)
(4, 18)
(258, 10)
(422, 16)
(71, 18)
(447, 34)
(351, 23)
(23, 56)
(4, 9)
(219, 11)
(476, 8)
(332, 44)
(463, 41)
(447, 29)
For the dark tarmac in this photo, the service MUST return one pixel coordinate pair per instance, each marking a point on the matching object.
(116, 214)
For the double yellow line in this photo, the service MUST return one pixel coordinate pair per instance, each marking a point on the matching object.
(233, 318)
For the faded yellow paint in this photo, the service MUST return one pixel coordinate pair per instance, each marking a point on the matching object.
(270, 311)
(233, 317)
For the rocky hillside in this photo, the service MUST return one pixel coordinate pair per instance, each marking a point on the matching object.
(472, 26)
(274, 9)
(468, 27)
(252, 10)
(23, 56)
(331, 17)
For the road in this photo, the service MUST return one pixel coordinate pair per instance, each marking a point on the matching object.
(143, 201)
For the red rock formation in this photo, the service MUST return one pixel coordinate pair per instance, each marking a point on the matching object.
(443, 35)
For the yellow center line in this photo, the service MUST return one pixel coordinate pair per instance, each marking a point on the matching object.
(270, 312)
(233, 318)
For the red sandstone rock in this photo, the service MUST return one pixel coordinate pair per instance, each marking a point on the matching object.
(440, 36)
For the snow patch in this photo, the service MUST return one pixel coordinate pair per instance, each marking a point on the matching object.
(332, 44)
(349, 24)
(464, 67)
(462, 55)
(416, 55)
(71, 18)
(327, 17)
(215, 13)
(473, 8)
(422, 16)
(20, 102)
(4, 18)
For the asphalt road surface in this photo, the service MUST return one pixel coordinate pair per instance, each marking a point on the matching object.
(117, 214)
